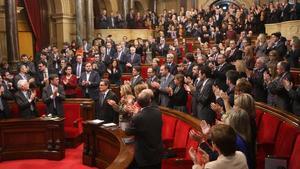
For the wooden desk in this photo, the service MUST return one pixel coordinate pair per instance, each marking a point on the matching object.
(104, 148)
(32, 138)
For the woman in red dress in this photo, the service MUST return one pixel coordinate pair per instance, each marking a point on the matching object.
(69, 82)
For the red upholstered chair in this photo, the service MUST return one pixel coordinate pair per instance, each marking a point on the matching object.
(285, 139)
(14, 110)
(41, 108)
(181, 135)
(283, 145)
(183, 160)
(125, 76)
(79, 93)
(258, 115)
(189, 104)
(189, 46)
(168, 129)
(73, 124)
(144, 69)
(294, 159)
(266, 135)
(162, 60)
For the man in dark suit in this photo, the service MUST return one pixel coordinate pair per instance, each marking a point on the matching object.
(42, 75)
(162, 48)
(30, 65)
(171, 64)
(190, 64)
(276, 89)
(121, 57)
(25, 99)
(104, 111)
(146, 126)
(219, 72)
(78, 66)
(294, 95)
(22, 75)
(111, 21)
(53, 96)
(4, 96)
(100, 68)
(235, 54)
(277, 43)
(256, 78)
(110, 51)
(152, 78)
(136, 76)
(133, 59)
(205, 96)
(89, 81)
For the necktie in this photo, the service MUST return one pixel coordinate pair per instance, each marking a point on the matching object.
(132, 56)
(101, 99)
(54, 104)
(78, 70)
(1, 104)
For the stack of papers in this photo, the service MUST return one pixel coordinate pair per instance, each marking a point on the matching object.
(109, 125)
(96, 121)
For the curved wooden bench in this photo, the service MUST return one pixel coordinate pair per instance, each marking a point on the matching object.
(104, 147)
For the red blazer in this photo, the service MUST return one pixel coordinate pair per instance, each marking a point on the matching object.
(70, 87)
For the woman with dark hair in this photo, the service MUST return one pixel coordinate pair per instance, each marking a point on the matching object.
(178, 94)
(69, 82)
(114, 73)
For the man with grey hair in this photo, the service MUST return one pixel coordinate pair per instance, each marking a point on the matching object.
(256, 78)
(133, 59)
(25, 99)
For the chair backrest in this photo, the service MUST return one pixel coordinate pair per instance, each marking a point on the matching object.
(294, 159)
(285, 139)
(41, 108)
(72, 113)
(258, 116)
(168, 129)
(14, 110)
(144, 69)
(190, 143)
(267, 128)
(181, 134)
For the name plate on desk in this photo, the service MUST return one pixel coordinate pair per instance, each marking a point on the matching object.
(32, 138)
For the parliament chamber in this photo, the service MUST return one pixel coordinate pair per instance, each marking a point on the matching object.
(149, 84)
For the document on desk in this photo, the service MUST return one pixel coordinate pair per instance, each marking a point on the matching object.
(109, 124)
(96, 121)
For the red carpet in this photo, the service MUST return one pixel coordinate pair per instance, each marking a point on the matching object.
(72, 160)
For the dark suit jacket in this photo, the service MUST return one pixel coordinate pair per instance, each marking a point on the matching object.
(146, 126)
(19, 77)
(25, 106)
(4, 97)
(47, 92)
(220, 75)
(111, 23)
(189, 71)
(204, 98)
(74, 68)
(136, 60)
(237, 55)
(138, 80)
(295, 100)
(122, 60)
(173, 68)
(280, 48)
(105, 111)
(91, 88)
(115, 77)
(276, 88)
(179, 98)
(162, 51)
(259, 91)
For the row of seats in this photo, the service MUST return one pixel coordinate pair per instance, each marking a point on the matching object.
(175, 135)
(278, 136)
(72, 124)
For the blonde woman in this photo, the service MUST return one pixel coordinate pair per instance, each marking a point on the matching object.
(249, 57)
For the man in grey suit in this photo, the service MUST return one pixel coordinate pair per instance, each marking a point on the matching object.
(164, 87)
(53, 96)
(89, 81)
